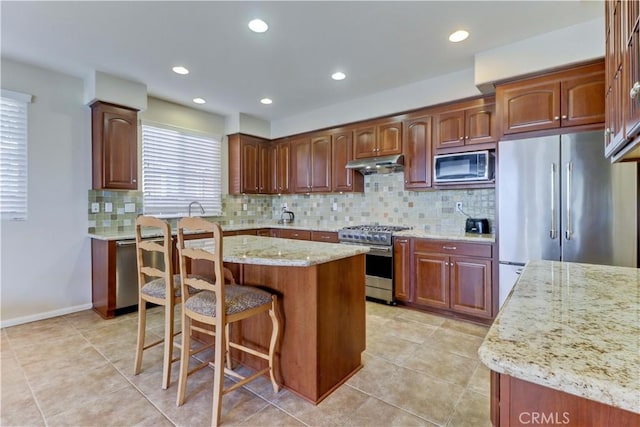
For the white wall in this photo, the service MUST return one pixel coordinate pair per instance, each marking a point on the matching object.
(416, 95)
(46, 260)
(576, 43)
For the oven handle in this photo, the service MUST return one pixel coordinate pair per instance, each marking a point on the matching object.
(386, 251)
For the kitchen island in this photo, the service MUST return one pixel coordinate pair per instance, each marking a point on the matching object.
(565, 348)
(320, 287)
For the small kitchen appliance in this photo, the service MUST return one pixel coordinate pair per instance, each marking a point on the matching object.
(477, 226)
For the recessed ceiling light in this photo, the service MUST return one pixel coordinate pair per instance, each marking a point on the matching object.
(458, 36)
(199, 101)
(266, 101)
(258, 26)
(338, 76)
(180, 70)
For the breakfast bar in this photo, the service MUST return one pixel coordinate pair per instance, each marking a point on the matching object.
(320, 287)
(565, 348)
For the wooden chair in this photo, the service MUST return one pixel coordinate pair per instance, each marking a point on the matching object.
(219, 305)
(163, 289)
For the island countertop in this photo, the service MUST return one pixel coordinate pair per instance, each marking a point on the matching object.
(260, 250)
(574, 328)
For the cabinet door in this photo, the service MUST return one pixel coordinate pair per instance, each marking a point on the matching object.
(115, 147)
(632, 59)
(364, 142)
(401, 266)
(431, 279)
(389, 139)
(343, 179)
(325, 236)
(283, 167)
(266, 162)
(301, 165)
(529, 106)
(250, 165)
(582, 100)
(321, 163)
(294, 234)
(480, 125)
(418, 153)
(450, 129)
(470, 284)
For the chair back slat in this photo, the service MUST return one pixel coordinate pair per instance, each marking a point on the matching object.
(207, 249)
(148, 272)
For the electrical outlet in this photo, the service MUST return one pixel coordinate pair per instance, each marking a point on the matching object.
(244, 206)
(459, 206)
(284, 206)
(95, 207)
(335, 206)
(108, 207)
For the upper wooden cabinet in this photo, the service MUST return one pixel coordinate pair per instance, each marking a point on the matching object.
(568, 98)
(417, 152)
(622, 62)
(114, 146)
(251, 161)
(379, 138)
(311, 163)
(465, 124)
(283, 167)
(343, 179)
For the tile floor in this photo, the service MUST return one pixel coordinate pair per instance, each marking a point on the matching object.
(76, 370)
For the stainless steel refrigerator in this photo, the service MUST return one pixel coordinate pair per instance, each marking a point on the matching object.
(560, 199)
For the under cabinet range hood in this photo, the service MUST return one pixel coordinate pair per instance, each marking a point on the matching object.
(385, 164)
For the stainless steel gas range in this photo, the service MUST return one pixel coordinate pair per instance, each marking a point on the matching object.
(379, 260)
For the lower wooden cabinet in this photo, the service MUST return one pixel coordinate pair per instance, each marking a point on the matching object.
(284, 233)
(449, 276)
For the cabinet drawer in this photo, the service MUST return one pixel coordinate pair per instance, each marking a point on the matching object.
(453, 247)
(295, 234)
(324, 236)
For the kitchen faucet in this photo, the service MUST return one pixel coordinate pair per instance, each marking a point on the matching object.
(195, 202)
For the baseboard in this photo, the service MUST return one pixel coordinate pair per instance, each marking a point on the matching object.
(42, 316)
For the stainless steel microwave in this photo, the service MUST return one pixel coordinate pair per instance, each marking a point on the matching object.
(464, 167)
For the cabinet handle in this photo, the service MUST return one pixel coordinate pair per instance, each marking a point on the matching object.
(635, 89)
(564, 117)
(462, 138)
(466, 137)
(134, 180)
(449, 248)
(556, 118)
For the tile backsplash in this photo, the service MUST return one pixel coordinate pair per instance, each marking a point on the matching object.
(384, 201)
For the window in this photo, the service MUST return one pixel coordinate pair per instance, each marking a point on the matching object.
(179, 167)
(13, 155)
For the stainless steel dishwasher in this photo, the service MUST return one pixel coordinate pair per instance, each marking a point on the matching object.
(127, 272)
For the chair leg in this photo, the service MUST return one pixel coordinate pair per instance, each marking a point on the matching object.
(228, 347)
(168, 345)
(184, 358)
(273, 313)
(142, 323)
(218, 378)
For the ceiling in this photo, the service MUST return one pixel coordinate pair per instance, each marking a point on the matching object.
(379, 45)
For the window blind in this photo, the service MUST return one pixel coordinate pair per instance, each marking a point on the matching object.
(179, 167)
(13, 155)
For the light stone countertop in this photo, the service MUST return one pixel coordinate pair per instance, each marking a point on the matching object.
(260, 250)
(574, 328)
(469, 237)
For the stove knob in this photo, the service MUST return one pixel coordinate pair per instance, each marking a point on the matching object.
(369, 238)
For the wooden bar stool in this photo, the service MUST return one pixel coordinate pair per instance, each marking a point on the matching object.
(219, 305)
(163, 289)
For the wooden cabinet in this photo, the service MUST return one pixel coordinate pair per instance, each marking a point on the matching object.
(379, 138)
(567, 99)
(251, 162)
(417, 152)
(283, 167)
(342, 179)
(114, 146)
(311, 164)
(325, 236)
(469, 123)
(449, 276)
(285, 233)
(622, 63)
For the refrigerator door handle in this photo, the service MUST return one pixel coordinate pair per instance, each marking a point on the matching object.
(569, 232)
(553, 232)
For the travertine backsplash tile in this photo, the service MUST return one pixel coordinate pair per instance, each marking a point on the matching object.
(384, 201)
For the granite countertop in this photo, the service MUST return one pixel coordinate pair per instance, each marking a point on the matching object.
(574, 328)
(279, 252)
(470, 237)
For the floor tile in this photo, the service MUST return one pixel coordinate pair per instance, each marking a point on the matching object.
(480, 381)
(269, 416)
(442, 365)
(456, 342)
(473, 410)
(466, 327)
(421, 317)
(375, 413)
